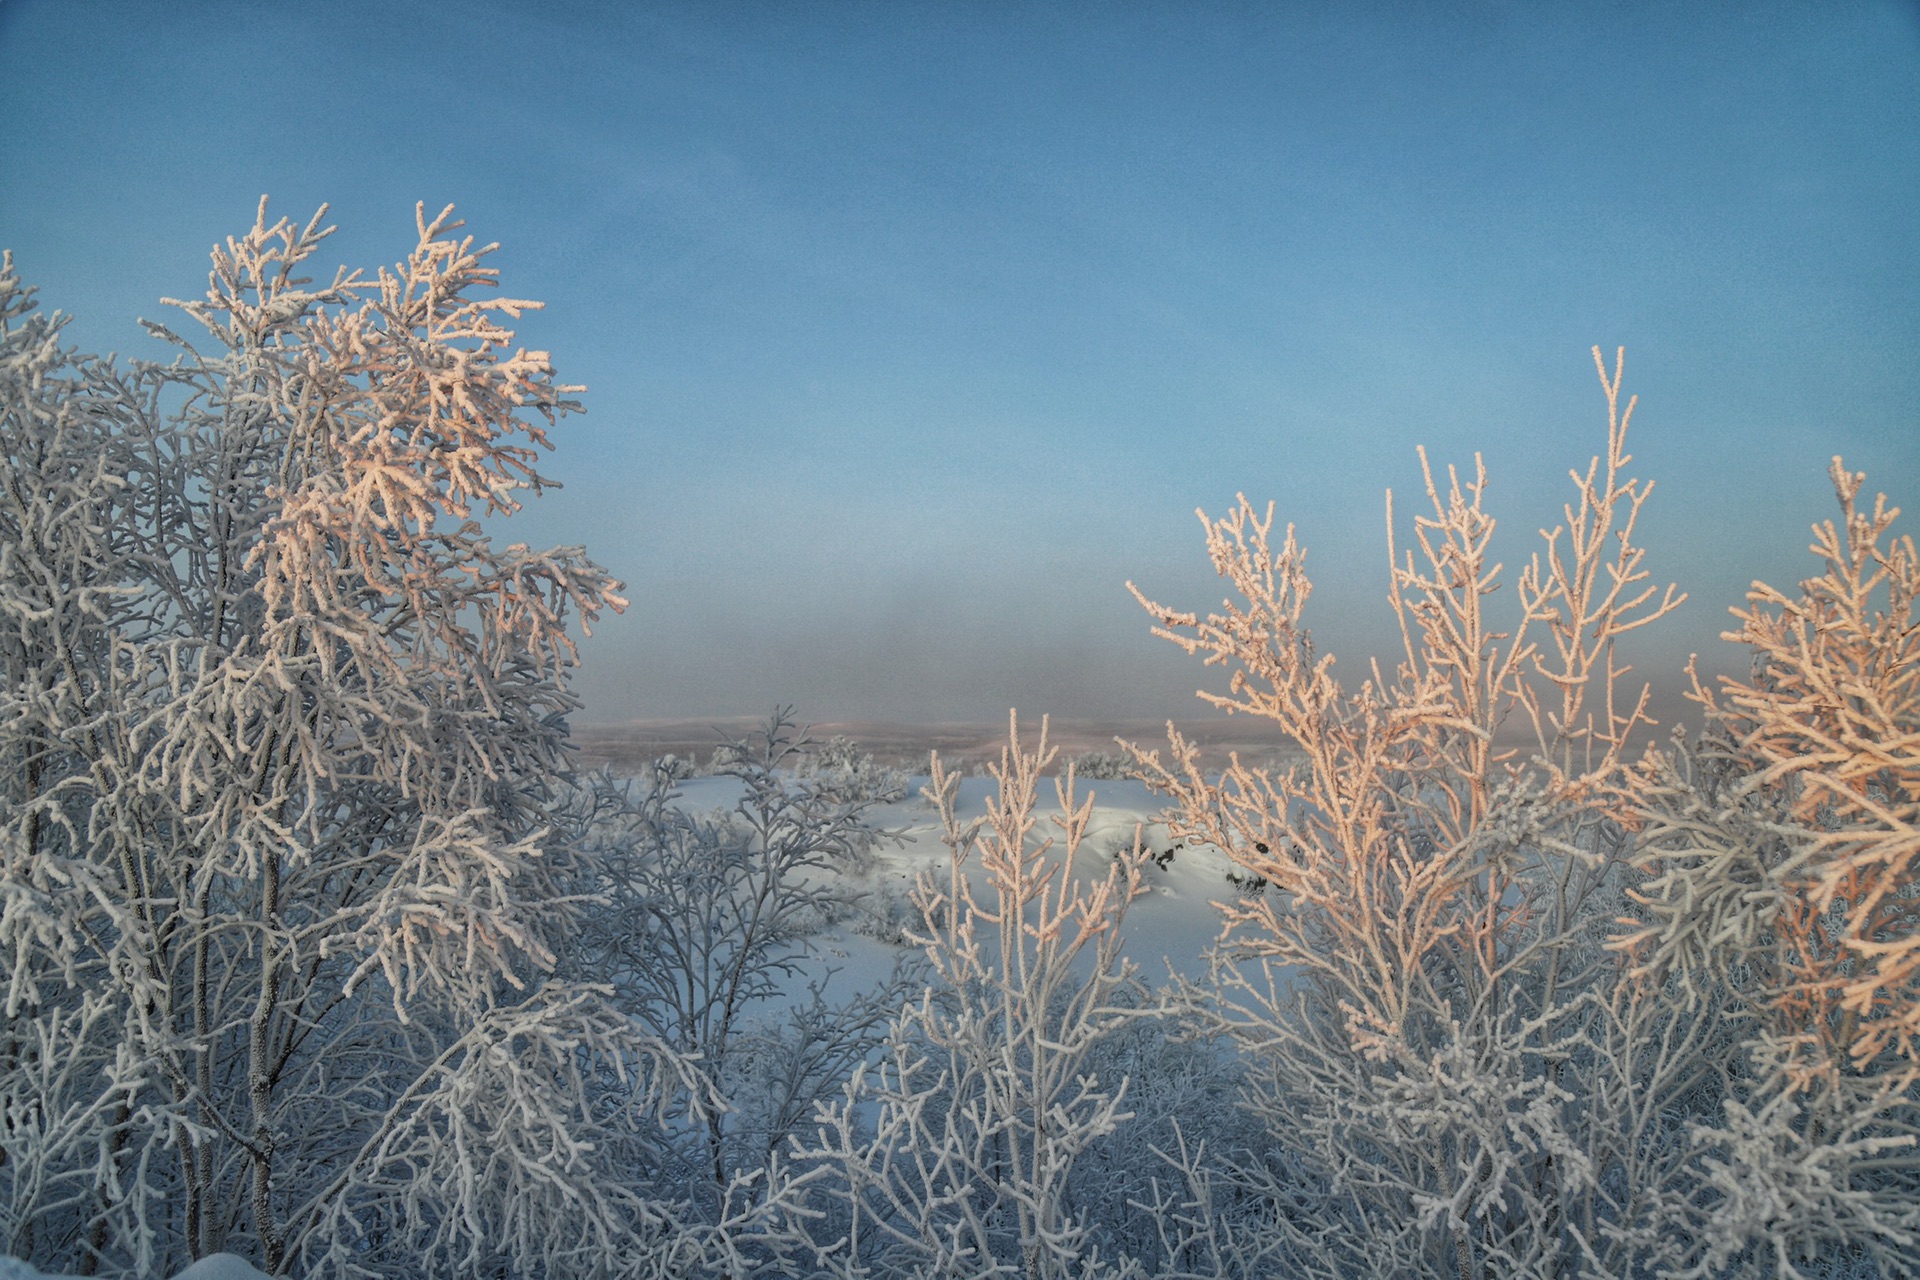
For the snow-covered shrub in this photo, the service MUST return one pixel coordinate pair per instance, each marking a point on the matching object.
(887, 914)
(282, 729)
(672, 767)
(1104, 766)
(723, 757)
(955, 1154)
(840, 767)
(1457, 1071)
(1181, 1089)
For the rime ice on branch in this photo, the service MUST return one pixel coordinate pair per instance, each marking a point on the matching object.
(283, 727)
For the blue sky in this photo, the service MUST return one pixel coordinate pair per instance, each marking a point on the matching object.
(913, 331)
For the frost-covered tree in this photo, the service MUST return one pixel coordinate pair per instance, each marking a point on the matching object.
(1782, 853)
(1457, 1075)
(282, 729)
(66, 589)
(704, 924)
(954, 1153)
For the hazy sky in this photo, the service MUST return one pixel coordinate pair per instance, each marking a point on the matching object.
(913, 331)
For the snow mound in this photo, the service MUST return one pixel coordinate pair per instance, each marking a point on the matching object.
(217, 1266)
(222, 1266)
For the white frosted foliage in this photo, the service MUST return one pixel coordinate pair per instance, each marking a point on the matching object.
(1517, 995)
(282, 731)
(317, 957)
(953, 1153)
